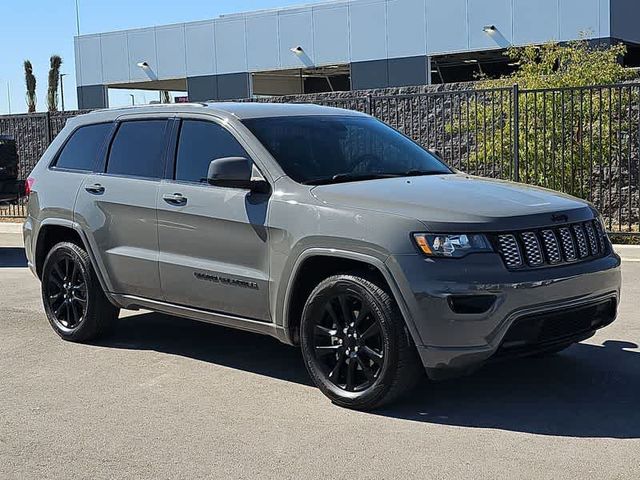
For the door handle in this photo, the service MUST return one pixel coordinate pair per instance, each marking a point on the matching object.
(96, 189)
(175, 198)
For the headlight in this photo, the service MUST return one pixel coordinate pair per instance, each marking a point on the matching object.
(451, 245)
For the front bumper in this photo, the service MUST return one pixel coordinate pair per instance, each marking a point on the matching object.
(452, 340)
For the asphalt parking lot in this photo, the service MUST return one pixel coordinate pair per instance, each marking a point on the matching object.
(171, 398)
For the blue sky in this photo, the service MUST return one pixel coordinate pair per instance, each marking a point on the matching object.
(36, 29)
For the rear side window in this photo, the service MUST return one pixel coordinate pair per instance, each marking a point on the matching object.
(201, 142)
(81, 150)
(137, 149)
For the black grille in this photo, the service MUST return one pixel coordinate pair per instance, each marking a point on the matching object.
(550, 242)
(568, 245)
(602, 238)
(510, 250)
(593, 239)
(552, 246)
(532, 249)
(558, 326)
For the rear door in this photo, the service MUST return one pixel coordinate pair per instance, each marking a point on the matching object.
(213, 240)
(118, 207)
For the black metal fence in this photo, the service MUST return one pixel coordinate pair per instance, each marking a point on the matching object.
(33, 134)
(582, 141)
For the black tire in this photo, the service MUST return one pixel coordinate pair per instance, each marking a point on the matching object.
(74, 301)
(380, 366)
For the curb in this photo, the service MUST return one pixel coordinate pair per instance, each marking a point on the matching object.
(10, 227)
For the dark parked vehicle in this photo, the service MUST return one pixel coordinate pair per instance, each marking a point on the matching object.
(322, 227)
(11, 189)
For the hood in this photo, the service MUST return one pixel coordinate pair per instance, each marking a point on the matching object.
(459, 203)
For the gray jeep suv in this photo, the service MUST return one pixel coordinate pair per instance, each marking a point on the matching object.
(322, 227)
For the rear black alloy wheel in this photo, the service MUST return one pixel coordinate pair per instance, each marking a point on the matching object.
(348, 342)
(355, 343)
(75, 304)
(65, 290)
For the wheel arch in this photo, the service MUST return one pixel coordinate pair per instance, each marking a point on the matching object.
(333, 262)
(53, 231)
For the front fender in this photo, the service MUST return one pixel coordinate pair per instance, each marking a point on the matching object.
(377, 262)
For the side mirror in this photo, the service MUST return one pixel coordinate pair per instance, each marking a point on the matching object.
(235, 172)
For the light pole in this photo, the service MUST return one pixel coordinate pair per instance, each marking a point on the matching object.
(9, 96)
(62, 75)
(77, 18)
(133, 99)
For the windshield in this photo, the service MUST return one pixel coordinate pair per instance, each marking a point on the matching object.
(331, 149)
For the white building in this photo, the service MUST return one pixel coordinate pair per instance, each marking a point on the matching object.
(338, 45)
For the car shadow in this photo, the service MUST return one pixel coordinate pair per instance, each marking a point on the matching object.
(12, 257)
(586, 391)
(245, 351)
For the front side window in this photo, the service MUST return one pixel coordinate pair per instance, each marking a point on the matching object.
(82, 149)
(137, 150)
(333, 148)
(201, 142)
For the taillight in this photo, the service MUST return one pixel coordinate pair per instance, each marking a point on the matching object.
(28, 186)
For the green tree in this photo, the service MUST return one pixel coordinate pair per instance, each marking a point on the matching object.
(570, 122)
(30, 81)
(574, 64)
(54, 81)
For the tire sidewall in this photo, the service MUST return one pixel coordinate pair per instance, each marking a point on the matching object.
(314, 305)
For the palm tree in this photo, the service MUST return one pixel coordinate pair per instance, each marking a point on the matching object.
(30, 81)
(54, 80)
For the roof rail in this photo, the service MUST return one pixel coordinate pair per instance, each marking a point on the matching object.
(152, 105)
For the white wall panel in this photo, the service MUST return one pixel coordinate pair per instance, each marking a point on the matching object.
(199, 40)
(142, 48)
(335, 32)
(76, 51)
(262, 42)
(331, 34)
(447, 28)
(368, 30)
(490, 12)
(90, 60)
(296, 29)
(230, 44)
(171, 47)
(605, 18)
(115, 58)
(535, 22)
(406, 28)
(578, 16)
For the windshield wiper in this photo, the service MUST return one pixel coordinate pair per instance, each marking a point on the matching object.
(421, 173)
(355, 177)
(349, 177)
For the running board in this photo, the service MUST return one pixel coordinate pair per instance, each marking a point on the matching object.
(216, 318)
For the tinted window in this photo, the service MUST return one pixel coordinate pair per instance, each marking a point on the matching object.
(200, 143)
(318, 148)
(82, 149)
(137, 149)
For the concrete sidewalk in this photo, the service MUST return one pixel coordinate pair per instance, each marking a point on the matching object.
(10, 227)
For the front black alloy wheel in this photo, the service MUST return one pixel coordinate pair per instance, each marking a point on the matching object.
(348, 342)
(355, 343)
(74, 301)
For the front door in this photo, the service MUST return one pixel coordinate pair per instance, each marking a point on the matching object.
(213, 241)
